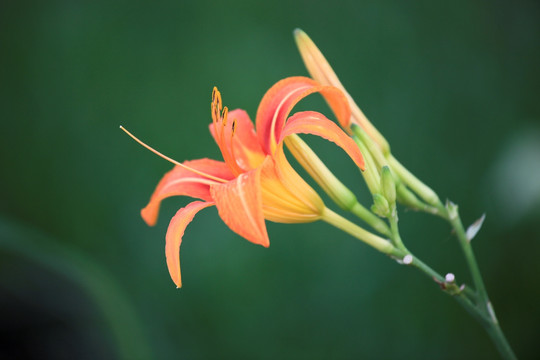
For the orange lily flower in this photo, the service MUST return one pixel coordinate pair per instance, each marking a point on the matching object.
(255, 181)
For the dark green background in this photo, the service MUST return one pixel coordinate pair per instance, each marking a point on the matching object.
(453, 86)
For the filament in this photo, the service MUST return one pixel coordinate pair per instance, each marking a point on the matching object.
(208, 176)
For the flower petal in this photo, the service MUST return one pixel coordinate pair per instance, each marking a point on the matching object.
(311, 122)
(181, 181)
(239, 203)
(173, 239)
(287, 198)
(247, 152)
(278, 102)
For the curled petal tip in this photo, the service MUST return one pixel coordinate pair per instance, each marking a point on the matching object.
(149, 216)
(173, 239)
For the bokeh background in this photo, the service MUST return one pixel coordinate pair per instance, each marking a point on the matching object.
(454, 87)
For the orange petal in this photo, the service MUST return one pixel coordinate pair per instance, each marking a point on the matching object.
(247, 152)
(278, 102)
(239, 203)
(173, 239)
(180, 181)
(311, 122)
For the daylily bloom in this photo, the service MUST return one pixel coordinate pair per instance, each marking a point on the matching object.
(255, 181)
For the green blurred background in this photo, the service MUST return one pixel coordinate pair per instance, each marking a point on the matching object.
(453, 86)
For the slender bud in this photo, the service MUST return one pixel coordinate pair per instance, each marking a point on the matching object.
(371, 173)
(388, 186)
(321, 71)
(380, 206)
(407, 198)
(421, 189)
(335, 189)
(371, 146)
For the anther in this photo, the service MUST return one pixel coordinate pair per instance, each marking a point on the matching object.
(224, 115)
(218, 100)
(233, 126)
(213, 112)
(214, 91)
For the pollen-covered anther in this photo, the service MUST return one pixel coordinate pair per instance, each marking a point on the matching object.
(217, 104)
(216, 98)
(233, 127)
(224, 115)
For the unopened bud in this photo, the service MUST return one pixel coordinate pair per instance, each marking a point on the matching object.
(449, 278)
(321, 71)
(407, 198)
(335, 189)
(388, 185)
(371, 173)
(380, 205)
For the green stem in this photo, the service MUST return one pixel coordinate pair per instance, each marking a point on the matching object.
(396, 238)
(371, 219)
(461, 295)
(469, 306)
(351, 228)
(432, 274)
(497, 336)
(465, 244)
(483, 304)
(477, 305)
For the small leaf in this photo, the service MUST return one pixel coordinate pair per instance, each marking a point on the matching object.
(475, 227)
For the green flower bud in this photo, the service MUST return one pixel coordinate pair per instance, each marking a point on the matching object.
(380, 205)
(371, 173)
(407, 198)
(388, 186)
(335, 189)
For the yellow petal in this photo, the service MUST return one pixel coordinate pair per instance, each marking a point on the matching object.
(287, 198)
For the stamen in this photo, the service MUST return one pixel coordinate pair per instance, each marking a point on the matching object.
(212, 111)
(219, 117)
(224, 115)
(218, 100)
(231, 141)
(208, 176)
